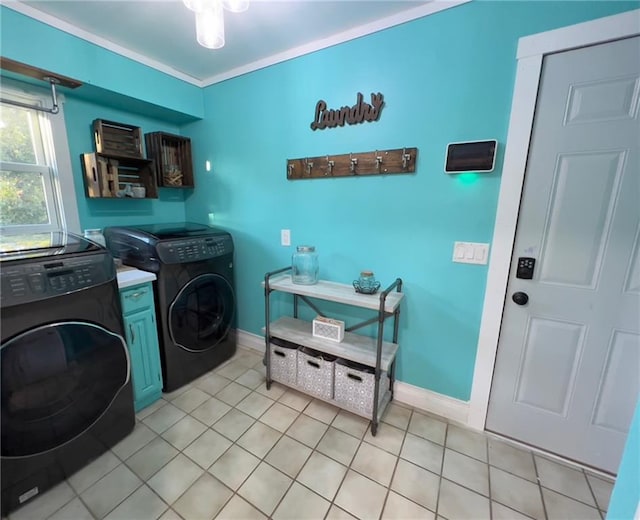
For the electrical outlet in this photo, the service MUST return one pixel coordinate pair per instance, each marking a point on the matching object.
(285, 237)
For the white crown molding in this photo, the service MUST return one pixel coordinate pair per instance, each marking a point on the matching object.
(336, 39)
(97, 40)
(421, 398)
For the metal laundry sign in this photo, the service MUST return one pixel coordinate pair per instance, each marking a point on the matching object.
(351, 115)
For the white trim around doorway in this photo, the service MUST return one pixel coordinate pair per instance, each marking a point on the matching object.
(531, 51)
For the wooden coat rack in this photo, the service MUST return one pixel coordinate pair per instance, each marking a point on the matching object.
(378, 162)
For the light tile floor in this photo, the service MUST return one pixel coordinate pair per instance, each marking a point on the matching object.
(225, 447)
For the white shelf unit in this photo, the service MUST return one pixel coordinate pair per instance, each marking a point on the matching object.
(370, 351)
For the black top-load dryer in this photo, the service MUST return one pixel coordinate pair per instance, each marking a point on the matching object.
(194, 292)
(65, 371)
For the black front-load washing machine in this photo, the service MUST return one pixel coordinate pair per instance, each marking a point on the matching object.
(65, 387)
(194, 292)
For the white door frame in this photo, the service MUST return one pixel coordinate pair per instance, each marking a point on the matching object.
(531, 51)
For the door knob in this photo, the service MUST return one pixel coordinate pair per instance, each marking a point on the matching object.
(520, 298)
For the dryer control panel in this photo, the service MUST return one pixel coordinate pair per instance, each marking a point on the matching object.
(26, 282)
(194, 249)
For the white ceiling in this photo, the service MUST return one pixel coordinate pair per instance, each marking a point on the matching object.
(161, 33)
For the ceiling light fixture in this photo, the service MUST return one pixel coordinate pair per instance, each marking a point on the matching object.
(210, 19)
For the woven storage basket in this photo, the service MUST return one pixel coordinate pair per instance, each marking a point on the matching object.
(315, 372)
(284, 355)
(354, 385)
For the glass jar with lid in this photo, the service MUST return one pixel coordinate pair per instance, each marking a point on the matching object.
(366, 283)
(304, 266)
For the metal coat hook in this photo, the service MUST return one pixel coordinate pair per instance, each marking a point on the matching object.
(378, 161)
(309, 165)
(290, 168)
(330, 165)
(353, 162)
(406, 158)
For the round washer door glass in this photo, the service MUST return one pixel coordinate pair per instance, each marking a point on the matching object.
(57, 380)
(202, 313)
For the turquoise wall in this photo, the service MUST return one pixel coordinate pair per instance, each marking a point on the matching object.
(114, 88)
(97, 213)
(107, 77)
(625, 498)
(445, 78)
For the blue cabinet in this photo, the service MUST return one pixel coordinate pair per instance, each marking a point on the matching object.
(142, 340)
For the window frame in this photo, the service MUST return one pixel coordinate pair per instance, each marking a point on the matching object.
(57, 173)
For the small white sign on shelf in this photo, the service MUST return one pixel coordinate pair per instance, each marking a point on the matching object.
(327, 328)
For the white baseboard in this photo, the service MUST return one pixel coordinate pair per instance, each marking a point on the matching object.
(432, 402)
(248, 340)
(421, 398)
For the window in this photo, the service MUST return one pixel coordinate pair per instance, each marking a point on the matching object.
(31, 198)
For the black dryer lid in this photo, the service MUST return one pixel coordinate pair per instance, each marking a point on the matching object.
(178, 230)
(42, 245)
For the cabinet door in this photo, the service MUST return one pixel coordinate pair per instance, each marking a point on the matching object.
(145, 356)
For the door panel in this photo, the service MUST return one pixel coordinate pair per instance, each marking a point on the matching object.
(546, 339)
(566, 377)
(632, 283)
(623, 360)
(596, 101)
(145, 356)
(590, 199)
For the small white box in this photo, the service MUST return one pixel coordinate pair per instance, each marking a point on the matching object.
(326, 328)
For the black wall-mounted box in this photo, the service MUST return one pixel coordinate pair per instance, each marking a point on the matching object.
(473, 156)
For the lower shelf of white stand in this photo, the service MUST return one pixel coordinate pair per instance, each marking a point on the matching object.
(386, 399)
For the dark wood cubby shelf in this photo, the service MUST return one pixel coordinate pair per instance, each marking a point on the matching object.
(172, 158)
(117, 139)
(105, 175)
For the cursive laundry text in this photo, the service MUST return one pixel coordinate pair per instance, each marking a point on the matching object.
(358, 113)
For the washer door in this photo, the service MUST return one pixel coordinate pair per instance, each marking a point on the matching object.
(202, 313)
(57, 381)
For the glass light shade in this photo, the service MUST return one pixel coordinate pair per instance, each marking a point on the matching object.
(210, 27)
(235, 6)
(197, 5)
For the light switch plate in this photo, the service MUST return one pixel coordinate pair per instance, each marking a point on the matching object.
(470, 253)
(285, 237)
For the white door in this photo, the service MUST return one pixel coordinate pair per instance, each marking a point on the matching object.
(567, 370)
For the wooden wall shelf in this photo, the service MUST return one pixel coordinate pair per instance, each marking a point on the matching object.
(172, 157)
(378, 162)
(34, 72)
(107, 175)
(117, 139)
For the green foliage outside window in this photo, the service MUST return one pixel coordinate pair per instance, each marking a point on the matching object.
(22, 195)
(22, 199)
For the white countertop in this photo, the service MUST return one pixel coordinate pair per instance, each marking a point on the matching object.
(128, 276)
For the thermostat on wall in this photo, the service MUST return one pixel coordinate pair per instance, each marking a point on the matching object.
(471, 156)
